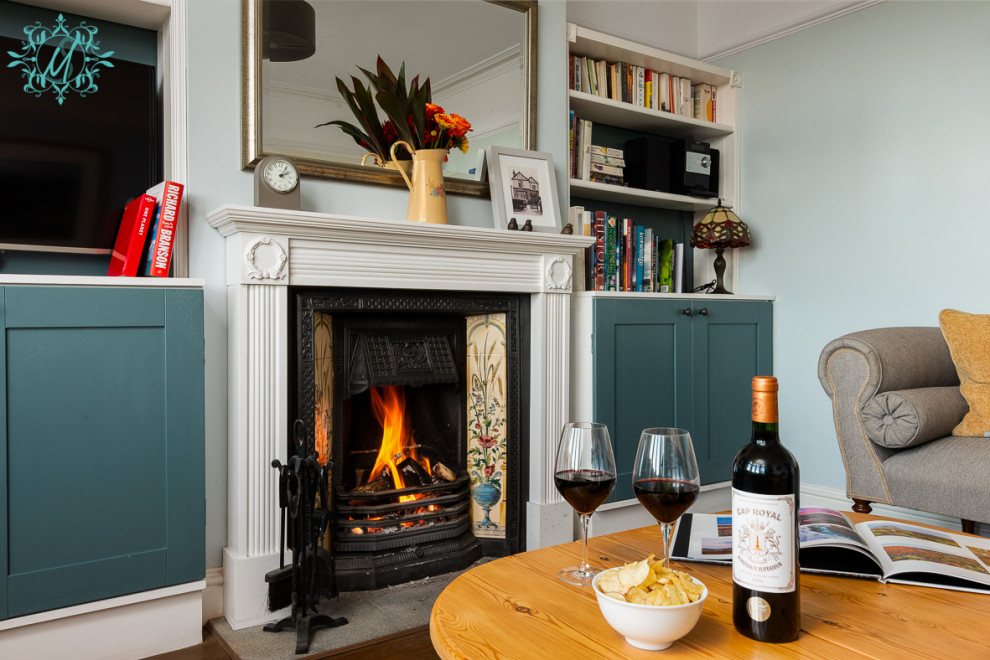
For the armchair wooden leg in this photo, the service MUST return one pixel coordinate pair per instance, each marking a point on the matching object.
(861, 506)
(969, 526)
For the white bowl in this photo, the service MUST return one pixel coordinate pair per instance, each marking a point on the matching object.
(649, 627)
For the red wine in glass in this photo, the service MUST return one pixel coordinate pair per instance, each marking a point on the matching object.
(584, 473)
(585, 490)
(666, 499)
(665, 477)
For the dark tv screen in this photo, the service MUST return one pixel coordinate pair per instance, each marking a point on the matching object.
(68, 168)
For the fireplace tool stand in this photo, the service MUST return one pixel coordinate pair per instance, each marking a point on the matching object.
(305, 496)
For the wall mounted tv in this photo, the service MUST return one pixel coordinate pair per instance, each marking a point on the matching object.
(80, 129)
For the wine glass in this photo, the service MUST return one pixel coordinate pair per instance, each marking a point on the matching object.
(584, 474)
(665, 478)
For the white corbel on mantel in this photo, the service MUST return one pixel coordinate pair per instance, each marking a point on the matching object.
(269, 250)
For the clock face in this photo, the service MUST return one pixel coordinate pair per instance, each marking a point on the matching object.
(281, 175)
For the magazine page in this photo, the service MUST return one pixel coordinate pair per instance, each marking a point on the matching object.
(703, 537)
(919, 555)
(829, 543)
(827, 527)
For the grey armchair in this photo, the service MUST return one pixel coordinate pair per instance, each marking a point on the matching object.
(895, 399)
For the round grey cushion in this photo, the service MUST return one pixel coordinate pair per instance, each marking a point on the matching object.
(906, 418)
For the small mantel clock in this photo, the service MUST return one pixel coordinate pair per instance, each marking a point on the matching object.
(276, 183)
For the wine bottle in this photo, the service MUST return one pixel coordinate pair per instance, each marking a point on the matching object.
(766, 597)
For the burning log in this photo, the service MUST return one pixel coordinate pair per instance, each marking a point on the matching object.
(413, 474)
(442, 473)
(382, 482)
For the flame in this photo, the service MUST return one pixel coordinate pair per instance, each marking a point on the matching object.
(389, 406)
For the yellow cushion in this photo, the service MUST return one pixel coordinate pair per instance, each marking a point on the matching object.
(968, 337)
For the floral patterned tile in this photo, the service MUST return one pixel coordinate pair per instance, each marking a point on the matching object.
(486, 421)
(323, 359)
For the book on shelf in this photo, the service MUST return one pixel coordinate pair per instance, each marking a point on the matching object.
(678, 267)
(665, 277)
(608, 160)
(611, 248)
(685, 99)
(599, 232)
(610, 179)
(831, 544)
(613, 152)
(161, 237)
(648, 259)
(641, 258)
(602, 168)
(666, 92)
(704, 102)
(128, 249)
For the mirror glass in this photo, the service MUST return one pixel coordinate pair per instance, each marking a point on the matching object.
(479, 56)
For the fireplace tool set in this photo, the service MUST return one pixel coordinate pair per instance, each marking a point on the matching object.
(304, 497)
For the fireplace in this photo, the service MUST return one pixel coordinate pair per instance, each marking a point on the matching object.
(418, 398)
(271, 251)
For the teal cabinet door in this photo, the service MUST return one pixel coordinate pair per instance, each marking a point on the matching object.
(642, 375)
(681, 363)
(731, 342)
(102, 448)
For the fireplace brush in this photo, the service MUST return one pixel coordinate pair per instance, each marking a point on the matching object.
(280, 580)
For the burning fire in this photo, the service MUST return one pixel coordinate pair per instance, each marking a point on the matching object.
(389, 406)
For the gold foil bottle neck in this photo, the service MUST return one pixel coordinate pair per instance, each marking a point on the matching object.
(765, 399)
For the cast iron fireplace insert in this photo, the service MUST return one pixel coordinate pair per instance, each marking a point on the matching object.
(401, 355)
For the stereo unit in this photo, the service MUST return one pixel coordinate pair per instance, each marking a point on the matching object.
(682, 167)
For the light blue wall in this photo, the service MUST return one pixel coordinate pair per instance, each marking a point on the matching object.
(864, 170)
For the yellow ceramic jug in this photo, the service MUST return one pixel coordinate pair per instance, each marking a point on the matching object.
(427, 199)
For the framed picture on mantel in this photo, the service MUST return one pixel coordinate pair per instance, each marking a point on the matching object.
(523, 188)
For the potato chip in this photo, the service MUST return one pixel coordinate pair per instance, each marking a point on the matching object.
(648, 582)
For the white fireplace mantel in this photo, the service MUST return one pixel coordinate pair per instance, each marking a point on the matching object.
(268, 250)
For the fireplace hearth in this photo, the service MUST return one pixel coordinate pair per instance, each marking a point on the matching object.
(417, 398)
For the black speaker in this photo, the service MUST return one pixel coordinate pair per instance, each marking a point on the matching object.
(683, 167)
(648, 163)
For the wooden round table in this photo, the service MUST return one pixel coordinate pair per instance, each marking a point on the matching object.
(515, 607)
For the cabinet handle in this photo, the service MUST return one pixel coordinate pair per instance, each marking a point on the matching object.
(686, 311)
(703, 311)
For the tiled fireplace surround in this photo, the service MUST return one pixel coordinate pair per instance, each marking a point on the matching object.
(270, 250)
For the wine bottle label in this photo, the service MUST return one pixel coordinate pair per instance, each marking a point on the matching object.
(763, 542)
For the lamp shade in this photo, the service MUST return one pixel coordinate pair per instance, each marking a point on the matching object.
(288, 30)
(720, 228)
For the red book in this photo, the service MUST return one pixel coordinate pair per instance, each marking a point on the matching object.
(129, 247)
(158, 255)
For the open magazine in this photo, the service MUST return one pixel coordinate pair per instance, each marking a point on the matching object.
(883, 550)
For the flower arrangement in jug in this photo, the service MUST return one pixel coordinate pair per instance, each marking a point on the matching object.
(411, 115)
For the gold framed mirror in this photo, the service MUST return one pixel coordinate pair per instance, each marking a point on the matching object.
(480, 56)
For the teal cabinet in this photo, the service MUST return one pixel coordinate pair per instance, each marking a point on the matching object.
(687, 363)
(102, 487)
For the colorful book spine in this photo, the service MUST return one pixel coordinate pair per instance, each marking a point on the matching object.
(648, 259)
(640, 258)
(611, 250)
(666, 265)
(129, 246)
(600, 222)
(161, 239)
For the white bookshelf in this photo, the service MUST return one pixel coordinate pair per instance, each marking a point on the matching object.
(721, 134)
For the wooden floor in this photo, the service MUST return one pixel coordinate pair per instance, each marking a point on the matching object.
(413, 644)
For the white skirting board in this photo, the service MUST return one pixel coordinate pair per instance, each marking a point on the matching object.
(124, 628)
